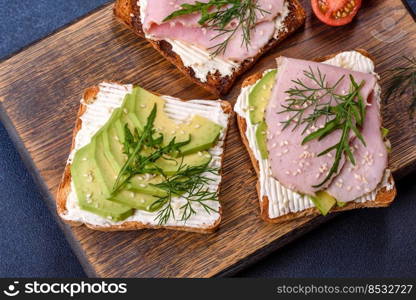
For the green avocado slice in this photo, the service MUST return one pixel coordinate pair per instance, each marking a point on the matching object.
(90, 188)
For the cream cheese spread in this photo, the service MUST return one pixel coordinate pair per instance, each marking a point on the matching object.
(281, 199)
(110, 96)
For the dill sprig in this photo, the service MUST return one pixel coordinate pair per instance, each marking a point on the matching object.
(404, 80)
(190, 182)
(341, 112)
(134, 143)
(218, 15)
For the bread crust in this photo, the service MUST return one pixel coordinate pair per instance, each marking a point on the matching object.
(64, 188)
(384, 197)
(128, 13)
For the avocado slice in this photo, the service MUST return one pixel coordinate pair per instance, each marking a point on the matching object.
(323, 202)
(259, 97)
(170, 166)
(261, 131)
(203, 132)
(113, 137)
(90, 189)
(103, 158)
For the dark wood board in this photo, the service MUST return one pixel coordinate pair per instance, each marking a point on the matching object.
(41, 86)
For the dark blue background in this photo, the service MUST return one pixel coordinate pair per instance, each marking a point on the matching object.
(369, 243)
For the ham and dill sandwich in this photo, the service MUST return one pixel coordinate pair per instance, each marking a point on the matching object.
(139, 160)
(314, 133)
(213, 48)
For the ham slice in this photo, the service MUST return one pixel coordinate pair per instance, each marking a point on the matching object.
(371, 161)
(187, 30)
(295, 166)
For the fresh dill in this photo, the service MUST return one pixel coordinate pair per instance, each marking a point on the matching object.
(341, 112)
(189, 182)
(404, 80)
(220, 14)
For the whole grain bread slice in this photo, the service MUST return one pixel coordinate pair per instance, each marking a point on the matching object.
(383, 198)
(128, 12)
(64, 188)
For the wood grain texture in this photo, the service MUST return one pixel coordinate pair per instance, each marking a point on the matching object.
(40, 89)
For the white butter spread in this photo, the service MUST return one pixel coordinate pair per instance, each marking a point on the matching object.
(200, 60)
(110, 96)
(281, 199)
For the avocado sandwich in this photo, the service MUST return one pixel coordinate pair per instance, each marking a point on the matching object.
(313, 131)
(140, 160)
(213, 49)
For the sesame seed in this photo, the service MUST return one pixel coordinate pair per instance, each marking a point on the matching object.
(143, 105)
(143, 185)
(381, 154)
(285, 151)
(278, 154)
(349, 188)
(287, 172)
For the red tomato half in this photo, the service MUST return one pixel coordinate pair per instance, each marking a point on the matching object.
(336, 12)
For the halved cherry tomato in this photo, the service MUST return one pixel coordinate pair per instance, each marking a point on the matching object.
(336, 12)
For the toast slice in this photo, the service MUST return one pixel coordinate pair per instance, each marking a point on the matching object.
(383, 197)
(68, 209)
(128, 12)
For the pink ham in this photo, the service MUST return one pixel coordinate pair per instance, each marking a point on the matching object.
(295, 166)
(371, 161)
(186, 28)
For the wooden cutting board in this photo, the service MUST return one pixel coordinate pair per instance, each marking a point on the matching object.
(41, 86)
